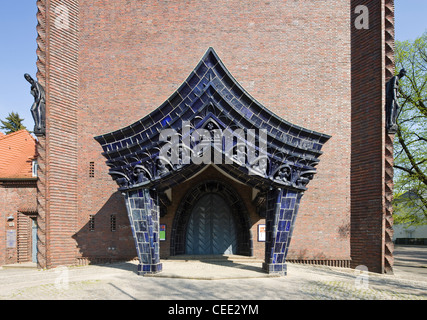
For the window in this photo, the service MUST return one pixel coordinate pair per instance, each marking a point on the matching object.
(113, 222)
(34, 168)
(91, 222)
(91, 169)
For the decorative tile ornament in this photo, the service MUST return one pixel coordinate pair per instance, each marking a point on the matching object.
(211, 119)
(144, 214)
(213, 102)
(282, 209)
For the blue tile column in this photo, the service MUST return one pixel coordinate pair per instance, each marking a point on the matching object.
(144, 214)
(282, 209)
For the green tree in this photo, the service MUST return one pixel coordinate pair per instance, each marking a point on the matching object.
(12, 123)
(410, 144)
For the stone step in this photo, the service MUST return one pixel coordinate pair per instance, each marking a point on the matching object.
(25, 265)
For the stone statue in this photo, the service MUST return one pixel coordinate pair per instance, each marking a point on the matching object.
(161, 168)
(139, 175)
(38, 109)
(392, 105)
(284, 174)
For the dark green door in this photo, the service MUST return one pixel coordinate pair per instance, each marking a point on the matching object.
(211, 228)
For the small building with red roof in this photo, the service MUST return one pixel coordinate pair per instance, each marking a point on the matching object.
(18, 198)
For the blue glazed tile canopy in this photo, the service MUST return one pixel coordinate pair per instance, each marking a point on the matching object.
(211, 99)
(211, 114)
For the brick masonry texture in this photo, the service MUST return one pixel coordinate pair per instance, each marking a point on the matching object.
(368, 131)
(18, 196)
(61, 143)
(15, 198)
(135, 55)
(119, 60)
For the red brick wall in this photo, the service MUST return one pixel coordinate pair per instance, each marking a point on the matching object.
(369, 73)
(121, 59)
(58, 67)
(12, 199)
(294, 57)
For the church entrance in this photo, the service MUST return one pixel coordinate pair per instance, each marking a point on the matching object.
(211, 220)
(211, 229)
(212, 116)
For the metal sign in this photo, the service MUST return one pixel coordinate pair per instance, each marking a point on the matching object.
(11, 239)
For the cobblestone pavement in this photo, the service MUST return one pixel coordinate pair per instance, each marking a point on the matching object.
(239, 281)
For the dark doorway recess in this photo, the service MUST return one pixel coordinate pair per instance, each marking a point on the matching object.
(200, 228)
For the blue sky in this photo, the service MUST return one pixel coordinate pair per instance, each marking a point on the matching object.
(18, 48)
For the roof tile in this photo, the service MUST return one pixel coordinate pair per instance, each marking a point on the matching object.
(17, 151)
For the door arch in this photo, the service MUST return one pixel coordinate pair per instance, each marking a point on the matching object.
(234, 210)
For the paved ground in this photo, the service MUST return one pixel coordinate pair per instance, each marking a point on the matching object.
(239, 280)
(411, 261)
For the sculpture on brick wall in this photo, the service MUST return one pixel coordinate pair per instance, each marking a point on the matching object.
(392, 105)
(38, 109)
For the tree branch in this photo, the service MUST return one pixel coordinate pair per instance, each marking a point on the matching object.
(404, 169)
(420, 174)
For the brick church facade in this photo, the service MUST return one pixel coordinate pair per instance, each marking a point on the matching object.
(107, 64)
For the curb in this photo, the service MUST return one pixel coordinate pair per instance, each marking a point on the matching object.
(20, 266)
